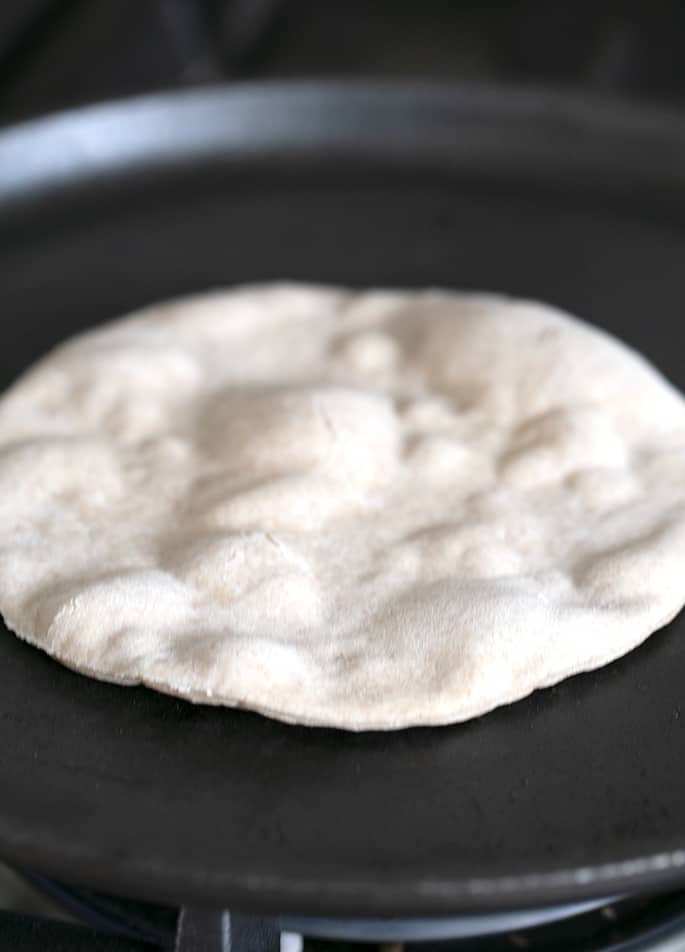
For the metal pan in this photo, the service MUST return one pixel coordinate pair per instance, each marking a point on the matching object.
(578, 791)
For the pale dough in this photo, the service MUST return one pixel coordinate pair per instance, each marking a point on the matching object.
(366, 510)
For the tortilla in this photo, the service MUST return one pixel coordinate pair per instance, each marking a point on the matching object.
(363, 510)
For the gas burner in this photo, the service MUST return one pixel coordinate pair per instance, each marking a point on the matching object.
(612, 924)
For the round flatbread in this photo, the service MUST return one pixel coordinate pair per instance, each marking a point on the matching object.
(364, 510)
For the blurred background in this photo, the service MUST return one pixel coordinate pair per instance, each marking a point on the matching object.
(59, 53)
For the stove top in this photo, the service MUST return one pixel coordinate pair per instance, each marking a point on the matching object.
(46, 914)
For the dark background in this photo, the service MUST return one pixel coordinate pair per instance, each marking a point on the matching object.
(57, 53)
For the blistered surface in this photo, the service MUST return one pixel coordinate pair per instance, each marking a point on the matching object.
(361, 510)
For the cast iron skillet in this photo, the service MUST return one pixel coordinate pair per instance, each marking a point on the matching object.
(578, 791)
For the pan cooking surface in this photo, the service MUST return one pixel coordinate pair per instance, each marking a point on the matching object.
(576, 791)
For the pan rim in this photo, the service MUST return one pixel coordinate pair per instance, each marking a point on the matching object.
(107, 140)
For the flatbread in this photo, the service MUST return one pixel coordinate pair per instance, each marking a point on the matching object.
(364, 510)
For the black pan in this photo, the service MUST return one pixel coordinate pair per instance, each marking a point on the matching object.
(578, 791)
